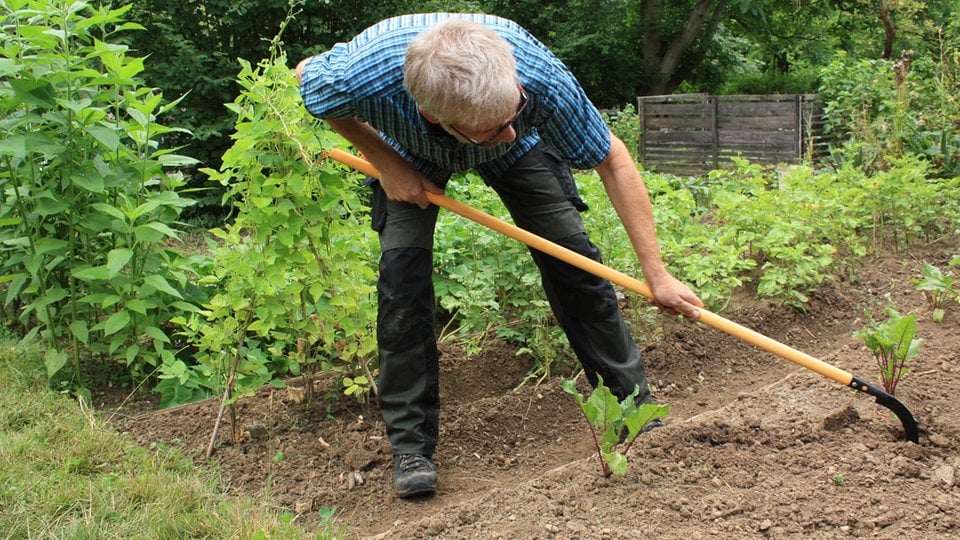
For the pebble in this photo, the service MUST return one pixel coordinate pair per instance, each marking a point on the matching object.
(945, 475)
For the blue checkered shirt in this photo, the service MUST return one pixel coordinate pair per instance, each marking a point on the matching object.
(363, 79)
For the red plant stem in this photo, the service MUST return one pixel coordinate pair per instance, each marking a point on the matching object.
(604, 468)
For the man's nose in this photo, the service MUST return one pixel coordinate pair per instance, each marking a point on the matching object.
(507, 135)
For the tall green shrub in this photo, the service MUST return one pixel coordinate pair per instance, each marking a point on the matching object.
(295, 269)
(89, 193)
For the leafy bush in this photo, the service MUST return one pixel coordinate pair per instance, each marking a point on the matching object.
(878, 110)
(488, 285)
(90, 196)
(938, 287)
(625, 124)
(295, 270)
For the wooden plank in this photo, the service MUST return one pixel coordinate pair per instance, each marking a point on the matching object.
(757, 109)
(677, 123)
(699, 132)
(693, 137)
(676, 109)
(730, 137)
(758, 123)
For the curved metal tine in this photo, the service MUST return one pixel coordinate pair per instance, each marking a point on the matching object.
(910, 428)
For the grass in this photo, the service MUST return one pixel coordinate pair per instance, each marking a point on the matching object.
(65, 474)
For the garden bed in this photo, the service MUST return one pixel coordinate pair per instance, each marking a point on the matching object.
(754, 447)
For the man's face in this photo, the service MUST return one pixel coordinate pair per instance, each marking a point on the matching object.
(496, 133)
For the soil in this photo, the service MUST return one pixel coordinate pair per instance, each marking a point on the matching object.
(754, 446)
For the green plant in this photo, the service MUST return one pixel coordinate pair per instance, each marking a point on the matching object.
(938, 287)
(625, 124)
(295, 269)
(613, 423)
(893, 342)
(90, 195)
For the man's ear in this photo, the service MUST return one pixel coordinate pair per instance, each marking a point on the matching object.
(430, 118)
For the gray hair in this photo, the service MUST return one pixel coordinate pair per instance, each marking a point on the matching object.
(462, 72)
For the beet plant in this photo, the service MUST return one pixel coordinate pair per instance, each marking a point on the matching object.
(614, 424)
(893, 342)
(938, 286)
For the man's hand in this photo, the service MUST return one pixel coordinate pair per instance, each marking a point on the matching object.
(675, 298)
(402, 182)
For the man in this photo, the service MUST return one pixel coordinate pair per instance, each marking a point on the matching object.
(423, 96)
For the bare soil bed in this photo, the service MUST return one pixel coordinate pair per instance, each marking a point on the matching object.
(755, 446)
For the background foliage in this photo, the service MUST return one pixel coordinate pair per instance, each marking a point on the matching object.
(94, 196)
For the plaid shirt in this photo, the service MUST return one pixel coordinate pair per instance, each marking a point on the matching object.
(364, 79)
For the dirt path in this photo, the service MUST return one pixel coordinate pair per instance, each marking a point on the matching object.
(755, 446)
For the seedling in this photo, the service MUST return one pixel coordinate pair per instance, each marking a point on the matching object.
(893, 342)
(938, 287)
(614, 425)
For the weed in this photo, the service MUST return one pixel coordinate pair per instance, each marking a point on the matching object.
(892, 342)
(938, 287)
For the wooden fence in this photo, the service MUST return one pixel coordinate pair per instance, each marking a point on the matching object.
(691, 134)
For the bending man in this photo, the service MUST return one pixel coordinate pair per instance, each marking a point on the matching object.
(424, 96)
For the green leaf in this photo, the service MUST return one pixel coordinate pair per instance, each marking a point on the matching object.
(46, 245)
(14, 145)
(161, 284)
(54, 360)
(617, 462)
(116, 322)
(34, 92)
(131, 354)
(48, 205)
(116, 260)
(17, 281)
(175, 160)
(91, 181)
(106, 136)
(156, 333)
(92, 273)
(136, 305)
(109, 210)
(80, 331)
(52, 296)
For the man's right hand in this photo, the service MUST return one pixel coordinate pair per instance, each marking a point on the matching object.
(402, 182)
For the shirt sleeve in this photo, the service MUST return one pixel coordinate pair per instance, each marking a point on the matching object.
(322, 88)
(572, 126)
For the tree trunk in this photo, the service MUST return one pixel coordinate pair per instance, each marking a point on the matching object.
(663, 59)
(889, 30)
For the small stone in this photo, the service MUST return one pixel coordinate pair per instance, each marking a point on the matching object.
(765, 525)
(945, 475)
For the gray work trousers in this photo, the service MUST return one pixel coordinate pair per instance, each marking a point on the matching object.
(540, 194)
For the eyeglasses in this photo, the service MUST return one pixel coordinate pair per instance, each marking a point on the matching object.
(520, 107)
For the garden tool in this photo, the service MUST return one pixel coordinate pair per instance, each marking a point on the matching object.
(911, 430)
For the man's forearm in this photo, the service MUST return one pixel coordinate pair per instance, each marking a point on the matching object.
(367, 140)
(627, 192)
